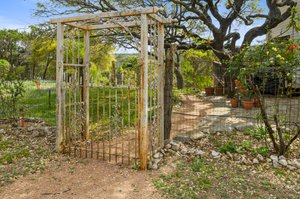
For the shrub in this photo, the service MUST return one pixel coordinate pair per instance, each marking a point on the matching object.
(228, 147)
(10, 91)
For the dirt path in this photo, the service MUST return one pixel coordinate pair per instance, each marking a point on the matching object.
(188, 115)
(68, 178)
(83, 179)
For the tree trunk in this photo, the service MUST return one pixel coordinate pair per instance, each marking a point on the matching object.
(33, 70)
(179, 78)
(46, 68)
(168, 105)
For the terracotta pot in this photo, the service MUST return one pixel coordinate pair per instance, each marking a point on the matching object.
(219, 91)
(209, 91)
(248, 104)
(242, 90)
(237, 83)
(234, 102)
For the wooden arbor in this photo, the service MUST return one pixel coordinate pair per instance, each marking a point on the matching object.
(109, 20)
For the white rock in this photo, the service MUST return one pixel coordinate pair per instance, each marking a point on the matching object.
(30, 128)
(156, 161)
(184, 151)
(175, 146)
(260, 157)
(255, 161)
(244, 160)
(158, 155)
(274, 158)
(2, 131)
(199, 152)
(297, 163)
(291, 167)
(276, 164)
(215, 154)
(283, 162)
(168, 146)
(281, 157)
(154, 166)
(197, 135)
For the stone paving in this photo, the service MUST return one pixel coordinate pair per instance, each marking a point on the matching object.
(214, 114)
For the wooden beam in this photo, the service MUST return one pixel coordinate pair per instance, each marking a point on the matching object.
(162, 20)
(125, 13)
(76, 25)
(114, 25)
(143, 106)
(161, 83)
(59, 88)
(86, 62)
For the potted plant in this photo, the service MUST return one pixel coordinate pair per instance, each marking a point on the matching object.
(247, 99)
(219, 90)
(234, 101)
(209, 90)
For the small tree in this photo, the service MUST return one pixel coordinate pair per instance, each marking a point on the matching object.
(259, 66)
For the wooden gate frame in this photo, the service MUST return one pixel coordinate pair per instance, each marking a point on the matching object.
(84, 22)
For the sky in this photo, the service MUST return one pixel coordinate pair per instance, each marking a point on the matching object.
(18, 14)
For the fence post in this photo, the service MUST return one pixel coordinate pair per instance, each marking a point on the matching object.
(59, 88)
(161, 83)
(86, 72)
(143, 106)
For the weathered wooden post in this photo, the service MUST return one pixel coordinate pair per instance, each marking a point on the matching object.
(161, 82)
(86, 63)
(143, 106)
(59, 88)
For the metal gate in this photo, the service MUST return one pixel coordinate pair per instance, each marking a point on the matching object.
(121, 119)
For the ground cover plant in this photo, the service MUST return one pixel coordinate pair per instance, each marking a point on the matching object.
(230, 176)
(202, 178)
(23, 151)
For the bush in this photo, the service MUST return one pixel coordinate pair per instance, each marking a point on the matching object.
(10, 91)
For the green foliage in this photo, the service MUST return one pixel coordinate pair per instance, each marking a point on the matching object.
(4, 68)
(97, 75)
(277, 59)
(228, 147)
(258, 133)
(129, 66)
(17, 153)
(197, 165)
(10, 92)
(264, 151)
(197, 68)
(246, 145)
(247, 95)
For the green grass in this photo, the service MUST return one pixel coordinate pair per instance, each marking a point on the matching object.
(37, 103)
